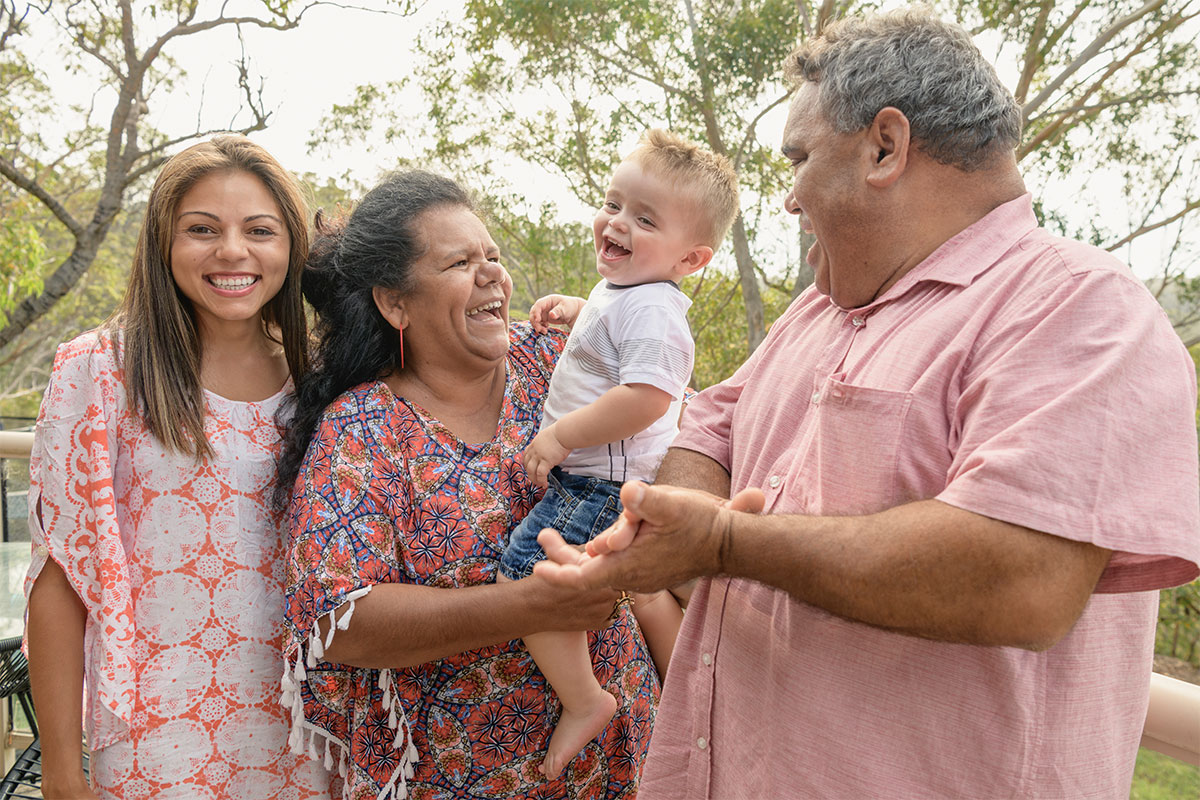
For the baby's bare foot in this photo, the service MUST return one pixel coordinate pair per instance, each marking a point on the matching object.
(574, 730)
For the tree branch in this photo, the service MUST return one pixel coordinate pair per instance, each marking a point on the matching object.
(1033, 53)
(752, 127)
(9, 170)
(1052, 129)
(1144, 229)
(625, 67)
(1089, 52)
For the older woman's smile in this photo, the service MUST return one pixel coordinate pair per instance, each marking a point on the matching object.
(491, 309)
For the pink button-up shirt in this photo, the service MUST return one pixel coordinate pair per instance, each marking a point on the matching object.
(1014, 374)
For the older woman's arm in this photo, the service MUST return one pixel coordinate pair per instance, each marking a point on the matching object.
(402, 625)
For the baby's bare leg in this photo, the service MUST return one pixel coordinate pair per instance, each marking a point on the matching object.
(659, 616)
(563, 658)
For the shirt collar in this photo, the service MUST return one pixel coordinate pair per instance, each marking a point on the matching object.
(611, 285)
(972, 251)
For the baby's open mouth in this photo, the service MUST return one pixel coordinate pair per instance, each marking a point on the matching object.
(613, 250)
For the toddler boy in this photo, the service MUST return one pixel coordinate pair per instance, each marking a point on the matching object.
(616, 394)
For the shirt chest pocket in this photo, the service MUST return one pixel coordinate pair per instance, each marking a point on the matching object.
(850, 451)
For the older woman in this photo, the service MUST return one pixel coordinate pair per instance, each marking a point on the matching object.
(404, 665)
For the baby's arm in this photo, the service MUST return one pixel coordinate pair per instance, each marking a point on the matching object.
(617, 414)
(555, 309)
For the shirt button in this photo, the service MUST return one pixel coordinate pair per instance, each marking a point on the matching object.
(707, 659)
(773, 482)
(702, 743)
(857, 321)
(42, 551)
(816, 398)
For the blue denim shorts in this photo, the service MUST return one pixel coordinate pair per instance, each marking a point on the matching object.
(577, 506)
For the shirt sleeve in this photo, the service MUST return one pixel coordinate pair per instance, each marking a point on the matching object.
(344, 539)
(653, 341)
(1108, 456)
(73, 521)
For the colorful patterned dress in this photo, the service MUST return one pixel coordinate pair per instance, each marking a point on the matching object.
(389, 495)
(179, 565)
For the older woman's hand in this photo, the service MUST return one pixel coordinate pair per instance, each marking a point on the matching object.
(562, 607)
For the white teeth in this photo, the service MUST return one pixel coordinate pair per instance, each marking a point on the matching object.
(487, 307)
(232, 283)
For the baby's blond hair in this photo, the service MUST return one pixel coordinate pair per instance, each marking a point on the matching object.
(706, 177)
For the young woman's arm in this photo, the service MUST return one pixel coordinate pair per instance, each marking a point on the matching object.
(55, 638)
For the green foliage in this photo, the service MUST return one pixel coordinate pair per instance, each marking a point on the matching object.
(1160, 777)
(22, 252)
(1178, 633)
(542, 255)
(718, 325)
(1108, 88)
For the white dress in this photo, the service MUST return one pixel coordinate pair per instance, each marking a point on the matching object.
(179, 564)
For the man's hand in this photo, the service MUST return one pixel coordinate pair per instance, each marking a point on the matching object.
(665, 536)
(555, 309)
(543, 454)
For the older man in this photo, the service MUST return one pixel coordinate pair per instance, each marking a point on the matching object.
(977, 451)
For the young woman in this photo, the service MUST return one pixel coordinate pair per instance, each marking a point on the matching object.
(155, 583)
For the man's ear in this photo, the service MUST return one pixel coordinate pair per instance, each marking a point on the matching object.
(695, 259)
(888, 137)
(391, 306)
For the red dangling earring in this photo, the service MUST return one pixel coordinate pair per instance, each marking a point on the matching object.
(401, 348)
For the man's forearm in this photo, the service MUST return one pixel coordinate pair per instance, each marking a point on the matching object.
(693, 470)
(926, 569)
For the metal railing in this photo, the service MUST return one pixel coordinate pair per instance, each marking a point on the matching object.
(1172, 722)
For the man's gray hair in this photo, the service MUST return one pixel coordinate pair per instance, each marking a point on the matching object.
(959, 111)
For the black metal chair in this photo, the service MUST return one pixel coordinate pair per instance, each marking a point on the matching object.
(14, 678)
(24, 778)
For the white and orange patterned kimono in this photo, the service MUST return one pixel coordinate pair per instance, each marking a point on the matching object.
(179, 564)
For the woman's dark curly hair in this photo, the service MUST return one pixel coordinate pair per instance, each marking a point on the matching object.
(375, 246)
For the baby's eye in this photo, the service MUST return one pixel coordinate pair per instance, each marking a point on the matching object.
(649, 223)
(611, 206)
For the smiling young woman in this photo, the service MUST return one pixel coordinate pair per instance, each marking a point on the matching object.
(155, 564)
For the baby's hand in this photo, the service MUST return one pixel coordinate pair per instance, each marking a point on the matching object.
(543, 454)
(555, 309)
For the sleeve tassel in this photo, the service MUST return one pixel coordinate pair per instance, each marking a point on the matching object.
(332, 629)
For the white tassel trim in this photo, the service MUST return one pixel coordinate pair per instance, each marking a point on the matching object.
(296, 673)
